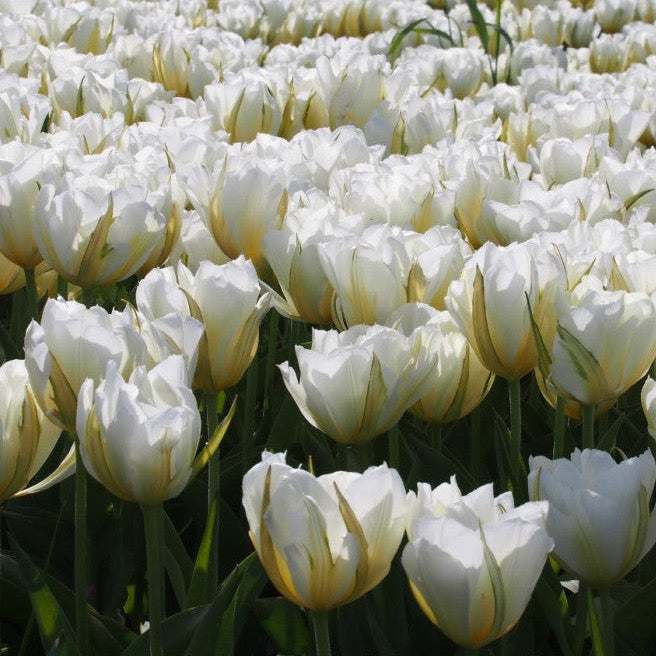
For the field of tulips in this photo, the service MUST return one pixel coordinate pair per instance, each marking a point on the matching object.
(327, 327)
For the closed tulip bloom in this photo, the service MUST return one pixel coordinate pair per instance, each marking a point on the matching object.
(139, 437)
(605, 343)
(599, 514)
(27, 437)
(250, 198)
(369, 275)
(490, 304)
(357, 384)
(70, 344)
(473, 569)
(226, 299)
(459, 381)
(324, 541)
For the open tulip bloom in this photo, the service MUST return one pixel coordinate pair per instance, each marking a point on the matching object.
(356, 384)
(324, 541)
(473, 561)
(599, 514)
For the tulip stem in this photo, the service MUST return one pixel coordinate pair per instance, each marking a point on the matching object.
(213, 481)
(274, 324)
(515, 397)
(393, 447)
(81, 615)
(581, 619)
(32, 295)
(249, 417)
(88, 297)
(321, 629)
(153, 527)
(588, 415)
(559, 428)
(436, 437)
(607, 621)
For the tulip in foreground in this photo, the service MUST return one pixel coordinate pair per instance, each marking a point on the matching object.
(599, 514)
(324, 541)
(473, 562)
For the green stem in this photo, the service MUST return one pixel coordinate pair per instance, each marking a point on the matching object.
(559, 428)
(515, 397)
(596, 631)
(393, 447)
(321, 630)
(81, 614)
(213, 481)
(62, 288)
(32, 295)
(88, 297)
(607, 621)
(475, 443)
(365, 454)
(588, 415)
(342, 457)
(248, 442)
(153, 528)
(581, 619)
(436, 437)
(272, 351)
(602, 425)
(292, 339)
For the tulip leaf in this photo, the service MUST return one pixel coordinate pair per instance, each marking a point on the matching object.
(479, 24)
(554, 608)
(608, 440)
(177, 632)
(213, 443)
(285, 623)
(630, 617)
(630, 202)
(176, 560)
(220, 628)
(413, 26)
(595, 625)
(198, 592)
(57, 634)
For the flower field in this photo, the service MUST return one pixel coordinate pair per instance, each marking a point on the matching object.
(327, 327)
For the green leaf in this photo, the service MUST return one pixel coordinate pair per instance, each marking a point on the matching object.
(219, 630)
(479, 24)
(609, 438)
(397, 41)
(285, 622)
(198, 592)
(56, 632)
(176, 560)
(595, 625)
(177, 632)
(554, 607)
(630, 618)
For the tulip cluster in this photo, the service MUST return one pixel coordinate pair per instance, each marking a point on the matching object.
(423, 196)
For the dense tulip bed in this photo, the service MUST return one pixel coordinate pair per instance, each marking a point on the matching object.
(327, 327)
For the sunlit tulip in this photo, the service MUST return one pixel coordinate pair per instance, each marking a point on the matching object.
(328, 540)
(250, 198)
(226, 299)
(490, 304)
(72, 343)
(648, 398)
(19, 188)
(472, 566)
(613, 15)
(356, 384)
(139, 437)
(368, 273)
(27, 437)
(94, 234)
(459, 381)
(605, 343)
(12, 276)
(599, 515)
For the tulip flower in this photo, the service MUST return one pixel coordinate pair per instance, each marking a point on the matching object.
(357, 384)
(70, 344)
(473, 565)
(605, 343)
(324, 541)
(139, 437)
(27, 437)
(599, 514)
(225, 298)
(648, 398)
